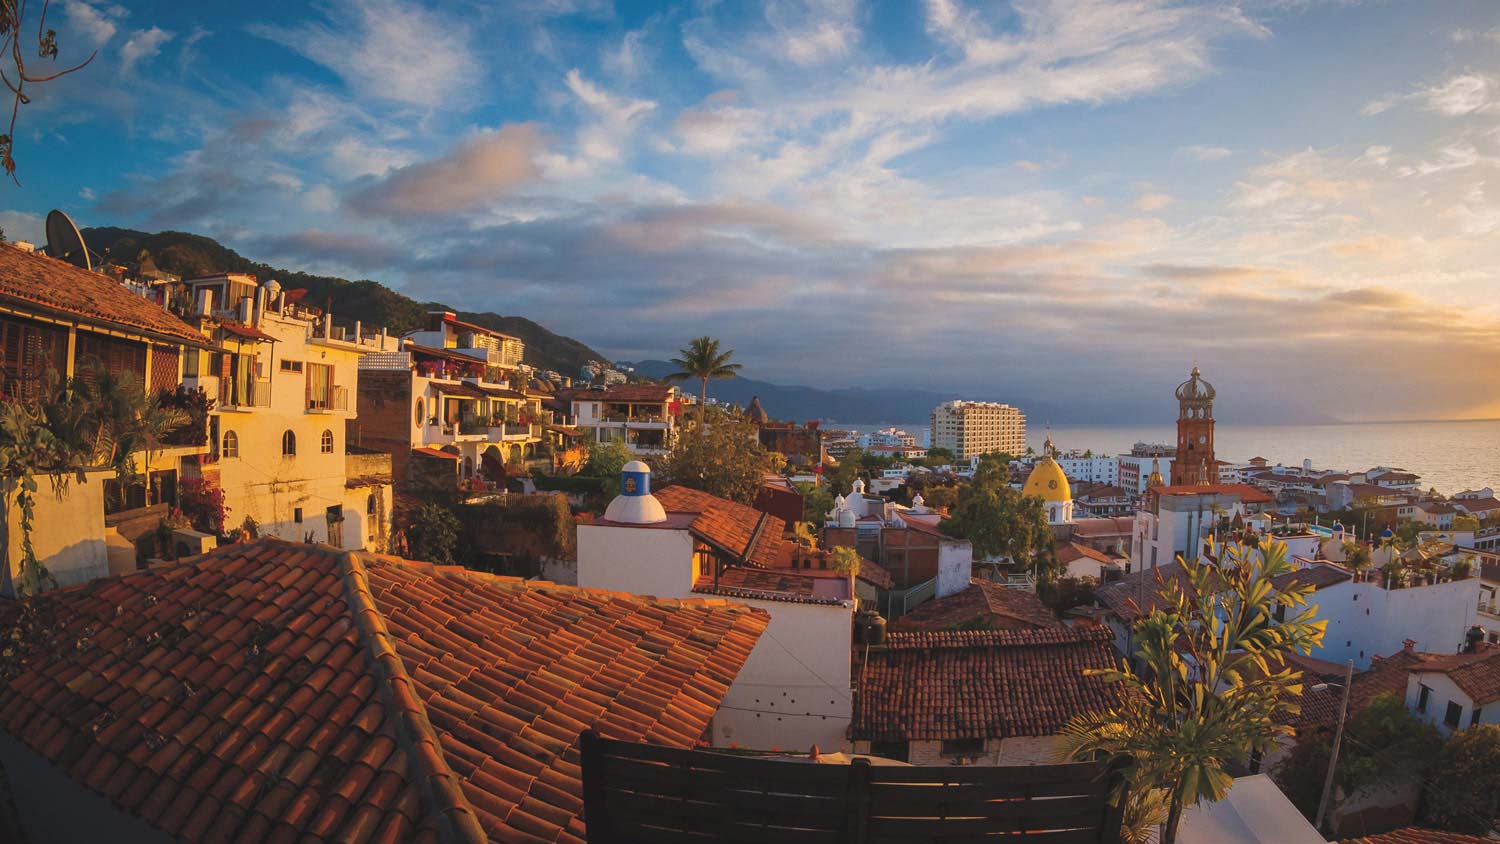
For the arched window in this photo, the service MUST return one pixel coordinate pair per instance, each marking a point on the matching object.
(289, 444)
(370, 504)
(231, 445)
(421, 418)
(468, 467)
(326, 444)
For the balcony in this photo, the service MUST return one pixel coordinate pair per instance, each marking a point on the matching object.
(330, 400)
(454, 432)
(516, 432)
(240, 395)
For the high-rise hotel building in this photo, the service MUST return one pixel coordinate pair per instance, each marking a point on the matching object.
(969, 428)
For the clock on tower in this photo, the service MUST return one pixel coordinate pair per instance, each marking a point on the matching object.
(1194, 464)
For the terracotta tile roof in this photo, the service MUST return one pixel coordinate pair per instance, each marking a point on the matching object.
(31, 280)
(246, 332)
(1139, 592)
(1478, 505)
(429, 451)
(875, 574)
(1067, 552)
(274, 691)
(1477, 674)
(1317, 576)
(981, 684)
(1417, 835)
(982, 606)
(742, 532)
(1247, 493)
(1106, 526)
(652, 393)
(445, 354)
(781, 585)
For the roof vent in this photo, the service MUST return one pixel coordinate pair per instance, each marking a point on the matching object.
(635, 505)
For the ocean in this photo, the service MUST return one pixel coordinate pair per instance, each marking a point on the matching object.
(1451, 456)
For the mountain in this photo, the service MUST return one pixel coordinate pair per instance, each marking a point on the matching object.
(847, 405)
(185, 254)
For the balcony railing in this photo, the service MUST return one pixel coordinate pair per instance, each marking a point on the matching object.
(331, 399)
(245, 393)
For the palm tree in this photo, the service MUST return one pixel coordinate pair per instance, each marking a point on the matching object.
(1218, 689)
(703, 360)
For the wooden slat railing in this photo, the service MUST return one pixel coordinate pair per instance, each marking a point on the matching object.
(636, 793)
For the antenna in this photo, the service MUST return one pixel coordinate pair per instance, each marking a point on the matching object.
(64, 241)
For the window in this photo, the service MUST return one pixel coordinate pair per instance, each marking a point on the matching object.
(1453, 715)
(963, 747)
(289, 444)
(325, 445)
(297, 515)
(420, 417)
(370, 504)
(291, 365)
(231, 444)
(1474, 716)
(898, 750)
(1424, 694)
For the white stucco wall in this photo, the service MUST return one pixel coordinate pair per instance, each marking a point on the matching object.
(1019, 750)
(67, 533)
(794, 691)
(1443, 692)
(1365, 620)
(641, 560)
(955, 567)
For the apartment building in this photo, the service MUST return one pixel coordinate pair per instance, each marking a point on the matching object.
(451, 405)
(970, 428)
(643, 416)
(284, 379)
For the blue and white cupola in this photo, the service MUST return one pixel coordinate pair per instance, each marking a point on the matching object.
(635, 505)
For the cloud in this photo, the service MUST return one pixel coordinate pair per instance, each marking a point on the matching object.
(1199, 152)
(389, 51)
(1465, 94)
(143, 45)
(1153, 201)
(96, 24)
(479, 169)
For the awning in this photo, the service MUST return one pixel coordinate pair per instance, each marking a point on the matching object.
(428, 451)
(246, 332)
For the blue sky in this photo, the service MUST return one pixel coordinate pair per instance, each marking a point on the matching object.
(1060, 201)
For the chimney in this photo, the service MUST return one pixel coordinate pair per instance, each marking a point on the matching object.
(205, 301)
(247, 304)
(358, 329)
(1409, 645)
(24, 245)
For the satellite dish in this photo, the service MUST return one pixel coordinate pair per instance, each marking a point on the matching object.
(64, 241)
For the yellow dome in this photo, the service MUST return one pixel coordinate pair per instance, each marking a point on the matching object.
(1048, 482)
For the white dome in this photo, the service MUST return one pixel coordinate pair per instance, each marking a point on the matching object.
(635, 505)
(272, 286)
(859, 487)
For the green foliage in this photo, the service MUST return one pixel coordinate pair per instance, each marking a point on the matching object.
(1408, 531)
(840, 480)
(844, 560)
(726, 460)
(874, 462)
(607, 459)
(432, 533)
(940, 456)
(1213, 696)
(999, 521)
(1465, 522)
(940, 497)
(1380, 740)
(1463, 794)
(195, 406)
(1356, 555)
(203, 505)
(94, 421)
(816, 502)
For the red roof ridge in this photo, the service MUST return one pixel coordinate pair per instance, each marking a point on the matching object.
(457, 820)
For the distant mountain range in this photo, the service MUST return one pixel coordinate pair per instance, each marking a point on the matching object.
(844, 405)
(371, 302)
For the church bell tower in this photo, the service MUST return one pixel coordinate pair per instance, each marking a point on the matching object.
(1194, 464)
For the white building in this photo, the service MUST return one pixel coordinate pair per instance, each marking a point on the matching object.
(969, 428)
(1093, 469)
(644, 416)
(1134, 469)
(1177, 519)
(893, 437)
(1365, 619)
(284, 388)
(1455, 691)
(795, 691)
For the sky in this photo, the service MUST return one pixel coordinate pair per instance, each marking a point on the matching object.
(1066, 202)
